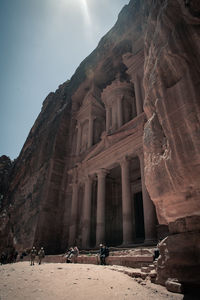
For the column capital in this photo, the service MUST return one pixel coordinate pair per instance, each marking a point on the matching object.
(140, 154)
(78, 125)
(124, 161)
(74, 175)
(87, 177)
(101, 173)
(91, 117)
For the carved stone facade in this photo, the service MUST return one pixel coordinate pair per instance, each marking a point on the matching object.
(109, 170)
(94, 160)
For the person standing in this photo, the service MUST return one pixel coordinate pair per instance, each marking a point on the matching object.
(75, 254)
(102, 254)
(33, 255)
(15, 256)
(41, 255)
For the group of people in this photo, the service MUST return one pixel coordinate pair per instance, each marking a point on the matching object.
(12, 255)
(34, 253)
(8, 258)
(72, 254)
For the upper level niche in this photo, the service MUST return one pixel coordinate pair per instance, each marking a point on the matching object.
(90, 122)
(119, 100)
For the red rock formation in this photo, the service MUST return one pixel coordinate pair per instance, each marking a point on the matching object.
(6, 237)
(38, 190)
(157, 41)
(171, 134)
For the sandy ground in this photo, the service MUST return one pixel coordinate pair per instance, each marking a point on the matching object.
(74, 281)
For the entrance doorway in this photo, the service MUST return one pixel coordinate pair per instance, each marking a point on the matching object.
(114, 233)
(139, 216)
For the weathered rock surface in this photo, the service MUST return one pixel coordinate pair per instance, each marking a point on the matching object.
(180, 253)
(5, 229)
(171, 135)
(38, 190)
(164, 36)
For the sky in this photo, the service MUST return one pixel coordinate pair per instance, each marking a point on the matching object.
(42, 42)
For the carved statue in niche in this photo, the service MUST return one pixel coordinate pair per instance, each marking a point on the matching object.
(119, 100)
(74, 142)
(84, 137)
(99, 127)
(129, 111)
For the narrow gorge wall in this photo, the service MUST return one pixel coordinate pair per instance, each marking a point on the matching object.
(171, 134)
(164, 38)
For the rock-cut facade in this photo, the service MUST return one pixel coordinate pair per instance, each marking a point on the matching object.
(113, 157)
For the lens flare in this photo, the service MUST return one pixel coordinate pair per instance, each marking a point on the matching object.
(85, 11)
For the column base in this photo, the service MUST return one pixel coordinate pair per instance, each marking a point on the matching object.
(150, 242)
(98, 244)
(127, 244)
(85, 246)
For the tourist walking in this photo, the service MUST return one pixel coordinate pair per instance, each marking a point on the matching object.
(41, 255)
(33, 255)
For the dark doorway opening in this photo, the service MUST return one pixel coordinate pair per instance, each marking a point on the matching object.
(114, 233)
(139, 216)
(93, 215)
(79, 220)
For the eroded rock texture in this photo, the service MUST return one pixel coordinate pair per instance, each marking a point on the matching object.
(151, 53)
(39, 192)
(171, 134)
(6, 237)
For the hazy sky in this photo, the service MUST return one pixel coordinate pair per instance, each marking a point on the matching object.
(42, 42)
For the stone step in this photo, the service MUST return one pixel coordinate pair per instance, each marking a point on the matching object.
(174, 286)
(127, 261)
(145, 270)
(151, 267)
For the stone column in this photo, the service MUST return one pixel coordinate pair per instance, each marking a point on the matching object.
(114, 116)
(119, 113)
(78, 145)
(108, 118)
(87, 212)
(73, 217)
(101, 189)
(148, 207)
(90, 132)
(134, 111)
(126, 203)
(138, 95)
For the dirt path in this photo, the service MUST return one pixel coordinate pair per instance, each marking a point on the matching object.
(74, 281)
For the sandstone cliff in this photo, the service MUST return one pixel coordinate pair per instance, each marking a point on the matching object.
(38, 185)
(38, 201)
(171, 134)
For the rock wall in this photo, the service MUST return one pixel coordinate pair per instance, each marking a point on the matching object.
(39, 193)
(5, 231)
(171, 134)
(38, 198)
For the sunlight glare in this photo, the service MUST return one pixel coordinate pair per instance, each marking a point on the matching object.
(85, 11)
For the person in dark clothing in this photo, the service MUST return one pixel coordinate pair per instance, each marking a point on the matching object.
(15, 256)
(106, 251)
(3, 258)
(33, 255)
(41, 255)
(103, 253)
(157, 251)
